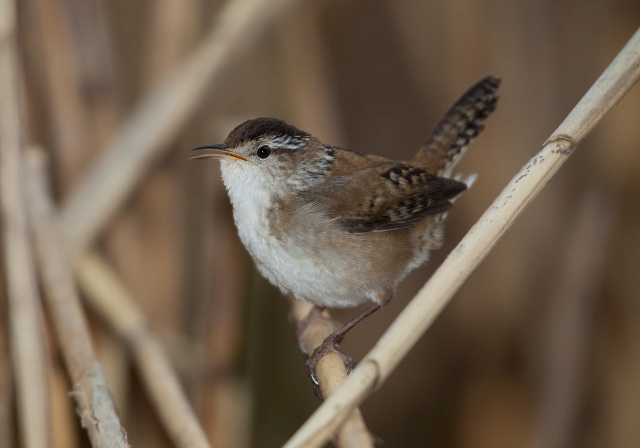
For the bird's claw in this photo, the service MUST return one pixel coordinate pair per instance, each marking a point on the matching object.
(330, 343)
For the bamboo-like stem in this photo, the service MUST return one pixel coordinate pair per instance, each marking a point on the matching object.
(414, 320)
(110, 298)
(330, 372)
(97, 412)
(158, 119)
(23, 302)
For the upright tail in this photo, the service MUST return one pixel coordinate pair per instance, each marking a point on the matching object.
(462, 123)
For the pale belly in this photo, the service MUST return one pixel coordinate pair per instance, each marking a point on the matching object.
(330, 268)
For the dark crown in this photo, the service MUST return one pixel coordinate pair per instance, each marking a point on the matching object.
(259, 127)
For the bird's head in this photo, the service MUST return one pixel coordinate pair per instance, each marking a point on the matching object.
(270, 154)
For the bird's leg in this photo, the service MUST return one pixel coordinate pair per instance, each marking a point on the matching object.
(330, 343)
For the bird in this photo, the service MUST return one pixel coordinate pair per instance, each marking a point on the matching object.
(341, 228)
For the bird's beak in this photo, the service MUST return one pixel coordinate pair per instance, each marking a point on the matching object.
(220, 152)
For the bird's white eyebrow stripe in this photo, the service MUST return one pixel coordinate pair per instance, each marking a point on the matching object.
(288, 141)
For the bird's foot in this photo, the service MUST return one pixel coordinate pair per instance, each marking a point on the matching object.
(329, 344)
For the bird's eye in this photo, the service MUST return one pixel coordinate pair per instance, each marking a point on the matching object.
(263, 152)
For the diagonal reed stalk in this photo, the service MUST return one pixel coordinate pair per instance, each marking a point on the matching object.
(96, 409)
(331, 371)
(416, 318)
(110, 299)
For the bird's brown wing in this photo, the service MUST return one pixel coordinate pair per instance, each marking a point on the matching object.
(386, 196)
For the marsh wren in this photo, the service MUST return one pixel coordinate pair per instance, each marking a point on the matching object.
(340, 228)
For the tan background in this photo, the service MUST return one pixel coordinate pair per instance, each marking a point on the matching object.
(541, 347)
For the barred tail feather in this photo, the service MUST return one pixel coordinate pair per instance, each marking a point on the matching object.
(462, 123)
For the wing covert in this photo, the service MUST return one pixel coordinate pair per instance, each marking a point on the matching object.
(399, 197)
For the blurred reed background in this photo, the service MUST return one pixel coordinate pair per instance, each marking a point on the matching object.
(541, 348)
